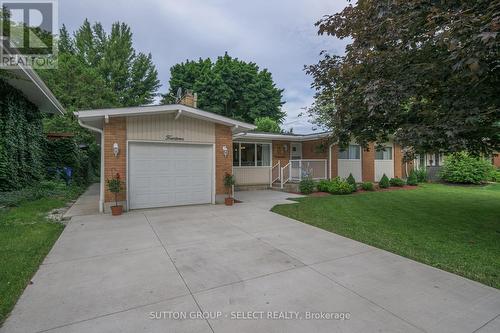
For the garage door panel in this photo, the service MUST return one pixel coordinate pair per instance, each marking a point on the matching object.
(163, 175)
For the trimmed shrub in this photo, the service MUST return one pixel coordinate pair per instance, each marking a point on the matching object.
(412, 179)
(384, 182)
(421, 175)
(339, 186)
(397, 182)
(306, 186)
(368, 186)
(323, 185)
(463, 168)
(495, 176)
(352, 181)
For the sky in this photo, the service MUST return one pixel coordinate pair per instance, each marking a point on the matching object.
(275, 34)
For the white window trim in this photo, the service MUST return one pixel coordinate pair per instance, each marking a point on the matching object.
(392, 153)
(254, 143)
(351, 159)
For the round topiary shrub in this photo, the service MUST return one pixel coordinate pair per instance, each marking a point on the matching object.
(368, 186)
(397, 182)
(384, 182)
(306, 186)
(463, 168)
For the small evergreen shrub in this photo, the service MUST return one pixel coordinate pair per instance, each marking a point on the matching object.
(384, 182)
(397, 182)
(412, 179)
(463, 168)
(323, 185)
(352, 181)
(421, 175)
(306, 186)
(368, 186)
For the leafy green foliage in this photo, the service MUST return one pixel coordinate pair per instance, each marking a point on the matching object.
(421, 175)
(495, 176)
(322, 185)
(466, 169)
(352, 181)
(267, 124)
(115, 186)
(45, 188)
(368, 186)
(412, 179)
(384, 182)
(21, 140)
(306, 186)
(426, 72)
(335, 186)
(97, 69)
(229, 87)
(397, 182)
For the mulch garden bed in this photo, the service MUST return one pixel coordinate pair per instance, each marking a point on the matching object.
(359, 191)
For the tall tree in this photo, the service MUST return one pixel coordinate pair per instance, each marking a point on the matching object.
(427, 72)
(230, 87)
(97, 69)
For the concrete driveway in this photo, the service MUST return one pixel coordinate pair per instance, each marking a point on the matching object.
(109, 274)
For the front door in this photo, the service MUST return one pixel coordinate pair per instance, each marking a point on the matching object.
(296, 153)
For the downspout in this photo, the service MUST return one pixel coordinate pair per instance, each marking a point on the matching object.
(330, 161)
(101, 191)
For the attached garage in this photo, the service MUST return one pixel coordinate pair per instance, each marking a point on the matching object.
(168, 174)
(164, 155)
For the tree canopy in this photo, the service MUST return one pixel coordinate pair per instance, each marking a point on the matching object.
(97, 69)
(425, 72)
(229, 87)
(266, 124)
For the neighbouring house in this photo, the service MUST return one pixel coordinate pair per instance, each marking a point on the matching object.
(172, 155)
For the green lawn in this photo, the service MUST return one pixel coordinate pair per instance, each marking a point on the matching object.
(455, 228)
(26, 236)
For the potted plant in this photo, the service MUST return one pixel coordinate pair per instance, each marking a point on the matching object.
(115, 187)
(228, 184)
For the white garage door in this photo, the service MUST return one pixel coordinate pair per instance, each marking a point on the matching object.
(163, 174)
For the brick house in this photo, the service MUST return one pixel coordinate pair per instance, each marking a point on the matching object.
(172, 155)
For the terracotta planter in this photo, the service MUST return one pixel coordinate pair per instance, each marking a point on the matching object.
(229, 201)
(116, 210)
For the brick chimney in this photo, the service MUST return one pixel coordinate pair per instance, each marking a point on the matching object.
(189, 99)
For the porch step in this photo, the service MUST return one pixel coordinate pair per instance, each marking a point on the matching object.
(251, 187)
(288, 187)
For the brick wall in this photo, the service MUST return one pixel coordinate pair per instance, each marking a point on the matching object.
(280, 153)
(334, 163)
(496, 160)
(368, 163)
(398, 161)
(115, 131)
(316, 149)
(223, 165)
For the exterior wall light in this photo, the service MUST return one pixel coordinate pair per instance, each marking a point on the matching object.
(116, 149)
(225, 151)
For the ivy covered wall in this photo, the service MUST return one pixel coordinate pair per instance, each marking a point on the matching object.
(22, 142)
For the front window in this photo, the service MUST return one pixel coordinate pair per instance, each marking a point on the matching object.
(353, 152)
(384, 154)
(247, 151)
(251, 154)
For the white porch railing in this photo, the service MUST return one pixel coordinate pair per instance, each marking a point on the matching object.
(314, 169)
(275, 173)
(285, 174)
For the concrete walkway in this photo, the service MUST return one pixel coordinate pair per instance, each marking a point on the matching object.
(87, 203)
(147, 270)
